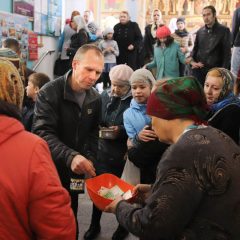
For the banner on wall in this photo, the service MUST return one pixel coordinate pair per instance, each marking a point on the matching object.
(32, 46)
(47, 17)
(24, 7)
(15, 26)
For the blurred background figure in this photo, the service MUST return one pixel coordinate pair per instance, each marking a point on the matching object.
(64, 44)
(128, 36)
(110, 51)
(150, 37)
(184, 39)
(79, 38)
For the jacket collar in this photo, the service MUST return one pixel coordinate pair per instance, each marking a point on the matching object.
(91, 94)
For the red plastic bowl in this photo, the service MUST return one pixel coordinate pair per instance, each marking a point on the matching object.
(104, 180)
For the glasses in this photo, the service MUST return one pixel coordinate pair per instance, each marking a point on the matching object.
(156, 15)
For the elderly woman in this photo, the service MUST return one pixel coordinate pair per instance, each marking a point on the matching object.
(225, 107)
(128, 36)
(196, 192)
(112, 146)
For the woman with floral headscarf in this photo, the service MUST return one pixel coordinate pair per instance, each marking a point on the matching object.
(196, 192)
(225, 107)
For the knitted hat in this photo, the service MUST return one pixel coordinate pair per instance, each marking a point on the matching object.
(11, 85)
(107, 31)
(163, 31)
(142, 76)
(181, 19)
(121, 74)
(178, 98)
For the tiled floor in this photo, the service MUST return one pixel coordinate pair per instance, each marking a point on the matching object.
(108, 221)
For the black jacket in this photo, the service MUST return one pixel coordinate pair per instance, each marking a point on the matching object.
(111, 152)
(235, 28)
(212, 46)
(148, 41)
(67, 129)
(146, 155)
(124, 35)
(77, 40)
(227, 120)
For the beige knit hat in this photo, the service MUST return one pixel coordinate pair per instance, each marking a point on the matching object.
(142, 76)
(11, 85)
(121, 74)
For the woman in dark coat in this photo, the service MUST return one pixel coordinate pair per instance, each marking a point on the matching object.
(196, 192)
(112, 149)
(225, 107)
(78, 39)
(128, 36)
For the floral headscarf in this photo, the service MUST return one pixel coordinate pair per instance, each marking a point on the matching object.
(227, 79)
(178, 98)
(226, 95)
(11, 85)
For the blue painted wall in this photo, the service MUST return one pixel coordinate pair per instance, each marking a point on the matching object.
(6, 5)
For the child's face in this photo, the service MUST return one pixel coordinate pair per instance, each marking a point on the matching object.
(31, 90)
(109, 36)
(141, 92)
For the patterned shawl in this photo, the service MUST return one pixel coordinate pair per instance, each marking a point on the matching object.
(178, 98)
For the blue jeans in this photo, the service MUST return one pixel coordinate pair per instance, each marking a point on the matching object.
(235, 61)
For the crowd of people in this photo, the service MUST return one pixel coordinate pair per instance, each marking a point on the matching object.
(171, 106)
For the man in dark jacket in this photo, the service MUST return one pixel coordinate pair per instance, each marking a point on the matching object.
(67, 115)
(235, 61)
(212, 47)
(128, 36)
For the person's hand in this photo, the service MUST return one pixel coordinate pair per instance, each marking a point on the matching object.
(129, 143)
(81, 165)
(130, 47)
(111, 208)
(197, 65)
(116, 130)
(183, 49)
(147, 135)
(141, 192)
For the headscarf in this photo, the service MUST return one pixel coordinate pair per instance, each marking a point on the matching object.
(178, 98)
(142, 76)
(80, 23)
(227, 79)
(121, 74)
(11, 85)
(226, 96)
(155, 25)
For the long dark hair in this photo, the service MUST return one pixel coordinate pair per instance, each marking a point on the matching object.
(168, 42)
(10, 110)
